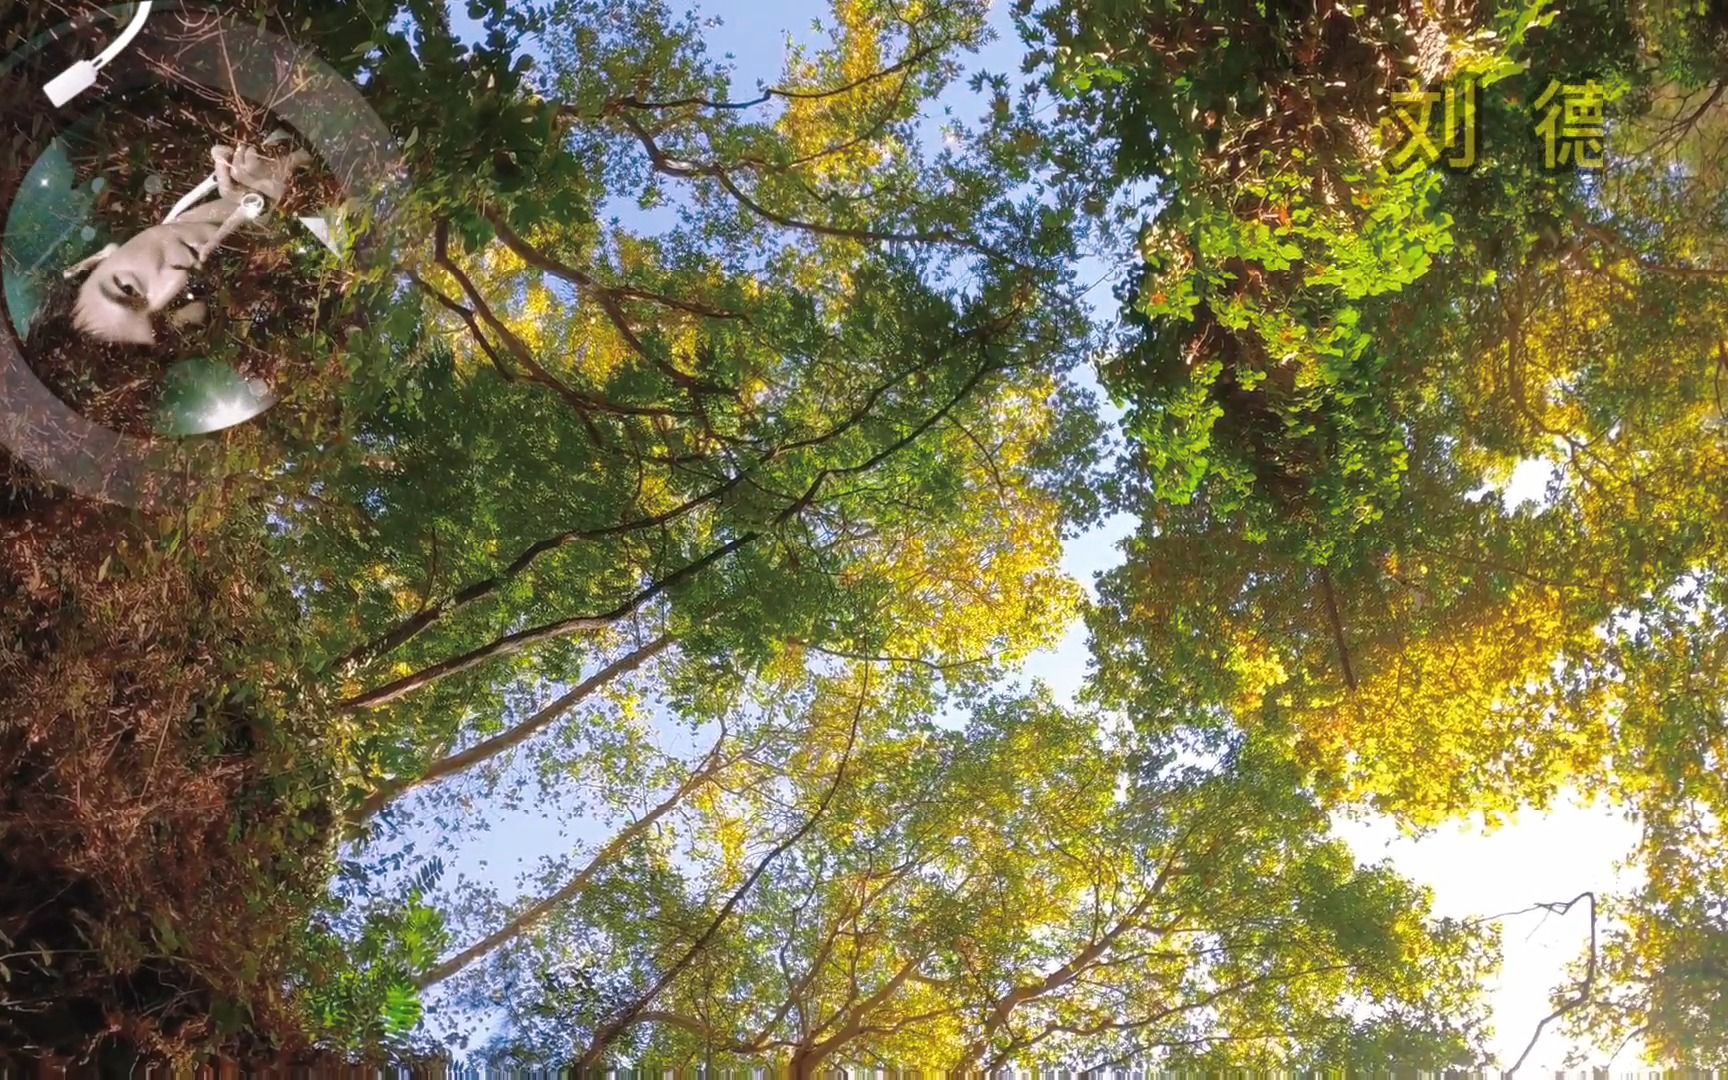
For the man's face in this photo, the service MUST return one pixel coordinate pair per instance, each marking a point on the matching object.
(120, 301)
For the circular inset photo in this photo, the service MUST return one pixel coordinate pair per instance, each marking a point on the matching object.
(158, 280)
(181, 252)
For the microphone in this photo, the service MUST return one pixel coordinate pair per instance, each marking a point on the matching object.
(82, 75)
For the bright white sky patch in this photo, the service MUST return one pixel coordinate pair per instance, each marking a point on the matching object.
(1540, 858)
(1529, 483)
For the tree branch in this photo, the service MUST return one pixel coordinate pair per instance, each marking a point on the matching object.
(911, 59)
(631, 1013)
(1586, 989)
(1337, 624)
(409, 628)
(710, 767)
(487, 749)
(510, 644)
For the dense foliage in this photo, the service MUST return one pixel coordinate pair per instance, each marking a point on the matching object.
(699, 469)
(1333, 362)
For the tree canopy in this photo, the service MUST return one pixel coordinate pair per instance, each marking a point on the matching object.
(697, 463)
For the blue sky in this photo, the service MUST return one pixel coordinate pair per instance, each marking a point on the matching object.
(1543, 857)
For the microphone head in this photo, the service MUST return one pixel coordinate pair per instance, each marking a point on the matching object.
(70, 83)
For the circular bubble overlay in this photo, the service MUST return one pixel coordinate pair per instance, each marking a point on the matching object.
(185, 242)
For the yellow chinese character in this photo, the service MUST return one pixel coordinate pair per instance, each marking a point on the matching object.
(1461, 123)
(1574, 128)
(1416, 114)
(1416, 111)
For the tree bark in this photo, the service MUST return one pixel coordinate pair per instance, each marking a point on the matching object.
(487, 749)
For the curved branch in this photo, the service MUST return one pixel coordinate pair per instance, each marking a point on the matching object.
(632, 1013)
(911, 59)
(1586, 988)
(1618, 244)
(576, 399)
(516, 642)
(409, 628)
(669, 166)
(487, 749)
(510, 644)
(607, 298)
(710, 767)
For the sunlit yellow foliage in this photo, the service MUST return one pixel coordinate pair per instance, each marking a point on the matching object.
(981, 580)
(1434, 720)
(833, 134)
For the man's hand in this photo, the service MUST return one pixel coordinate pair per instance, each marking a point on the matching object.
(243, 169)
